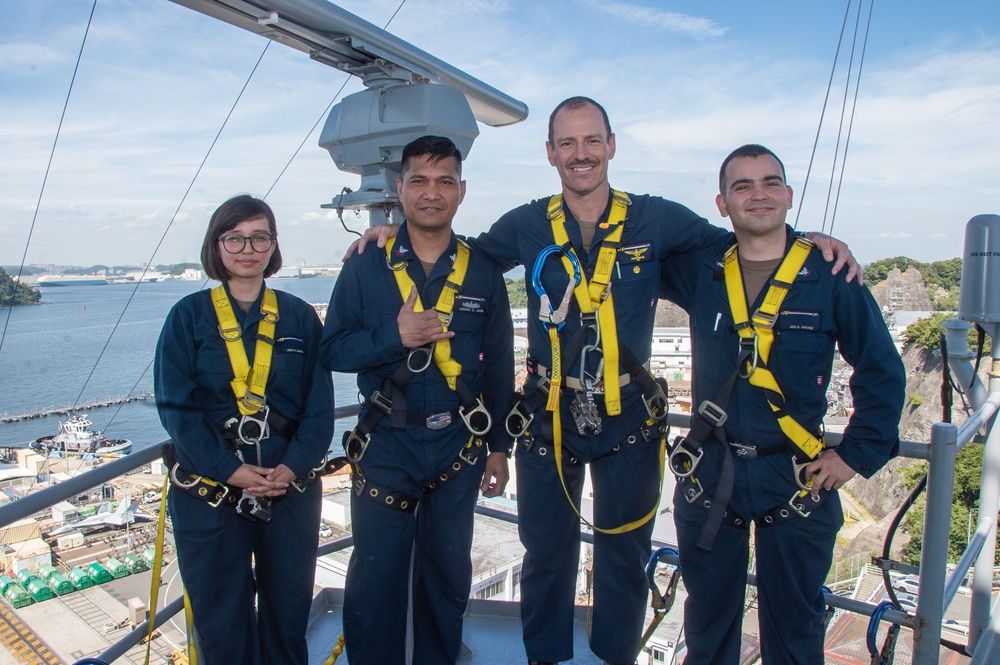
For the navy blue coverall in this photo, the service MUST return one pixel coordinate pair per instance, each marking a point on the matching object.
(191, 373)
(362, 335)
(821, 310)
(626, 484)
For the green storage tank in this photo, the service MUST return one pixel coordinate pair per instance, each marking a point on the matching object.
(5, 582)
(38, 589)
(115, 567)
(99, 573)
(135, 564)
(58, 582)
(149, 556)
(15, 594)
(80, 579)
(23, 576)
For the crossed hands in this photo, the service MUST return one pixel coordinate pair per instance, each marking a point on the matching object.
(262, 481)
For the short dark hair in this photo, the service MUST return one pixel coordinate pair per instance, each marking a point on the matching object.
(752, 150)
(576, 103)
(435, 148)
(225, 218)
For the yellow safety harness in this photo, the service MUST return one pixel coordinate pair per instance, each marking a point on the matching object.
(248, 383)
(450, 368)
(758, 332)
(596, 303)
(594, 297)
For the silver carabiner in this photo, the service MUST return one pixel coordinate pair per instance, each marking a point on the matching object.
(753, 361)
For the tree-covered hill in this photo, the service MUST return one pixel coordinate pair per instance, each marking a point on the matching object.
(14, 293)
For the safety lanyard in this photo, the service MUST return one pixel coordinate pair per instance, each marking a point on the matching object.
(758, 331)
(594, 297)
(248, 383)
(450, 368)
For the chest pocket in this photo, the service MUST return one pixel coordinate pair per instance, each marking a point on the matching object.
(635, 261)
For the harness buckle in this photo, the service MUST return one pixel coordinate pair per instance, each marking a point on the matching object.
(468, 454)
(797, 503)
(516, 414)
(255, 402)
(355, 446)
(427, 350)
(382, 402)
(584, 412)
(752, 362)
(219, 497)
(657, 404)
(478, 410)
(681, 457)
(713, 413)
(692, 493)
(445, 318)
(763, 320)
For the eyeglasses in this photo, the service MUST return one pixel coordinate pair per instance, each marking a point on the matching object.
(234, 243)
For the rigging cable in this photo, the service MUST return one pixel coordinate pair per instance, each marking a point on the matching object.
(172, 219)
(48, 168)
(850, 124)
(822, 114)
(325, 113)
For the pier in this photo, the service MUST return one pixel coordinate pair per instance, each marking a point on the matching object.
(67, 410)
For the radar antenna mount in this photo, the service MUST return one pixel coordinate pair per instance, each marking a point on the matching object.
(409, 94)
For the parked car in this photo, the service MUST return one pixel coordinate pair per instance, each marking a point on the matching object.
(907, 584)
(957, 625)
(907, 602)
(325, 531)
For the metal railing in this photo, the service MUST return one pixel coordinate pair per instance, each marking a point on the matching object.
(934, 595)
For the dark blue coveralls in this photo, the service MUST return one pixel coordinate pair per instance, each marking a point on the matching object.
(793, 557)
(191, 373)
(626, 484)
(362, 335)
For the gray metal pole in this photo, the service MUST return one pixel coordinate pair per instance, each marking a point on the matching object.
(989, 497)
(934, 550)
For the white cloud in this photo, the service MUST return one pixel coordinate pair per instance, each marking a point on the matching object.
(659, 19)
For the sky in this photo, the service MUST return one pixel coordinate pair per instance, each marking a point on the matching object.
(683, 82)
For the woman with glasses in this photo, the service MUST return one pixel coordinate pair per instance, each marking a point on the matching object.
(250, 413)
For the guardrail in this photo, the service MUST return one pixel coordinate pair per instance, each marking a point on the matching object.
(934, 594)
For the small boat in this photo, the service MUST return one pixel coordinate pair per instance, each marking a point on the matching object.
(76, 437)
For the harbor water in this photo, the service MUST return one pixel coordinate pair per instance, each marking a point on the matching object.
(86, 345)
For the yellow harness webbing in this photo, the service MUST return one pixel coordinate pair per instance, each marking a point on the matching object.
(450, 368)
(759, 330)
(595, 297)
(154, 582)
(248, 383)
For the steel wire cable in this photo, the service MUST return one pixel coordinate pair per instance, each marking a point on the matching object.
(48, 169)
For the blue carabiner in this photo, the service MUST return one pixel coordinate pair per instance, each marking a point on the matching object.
(547, 314)
(655, 559)
(872, 631)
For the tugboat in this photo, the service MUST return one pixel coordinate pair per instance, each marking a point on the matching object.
(76, 437)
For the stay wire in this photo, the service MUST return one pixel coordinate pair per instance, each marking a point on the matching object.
(854, 107)
(325, 113)
(48, 169)
(822, 113)
(173, 217)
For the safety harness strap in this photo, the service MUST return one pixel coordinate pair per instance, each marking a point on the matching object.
(450, 368)
(757, 332)
(248, 383)
(594, 297)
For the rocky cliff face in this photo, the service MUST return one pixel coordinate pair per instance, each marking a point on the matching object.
(903, 291)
